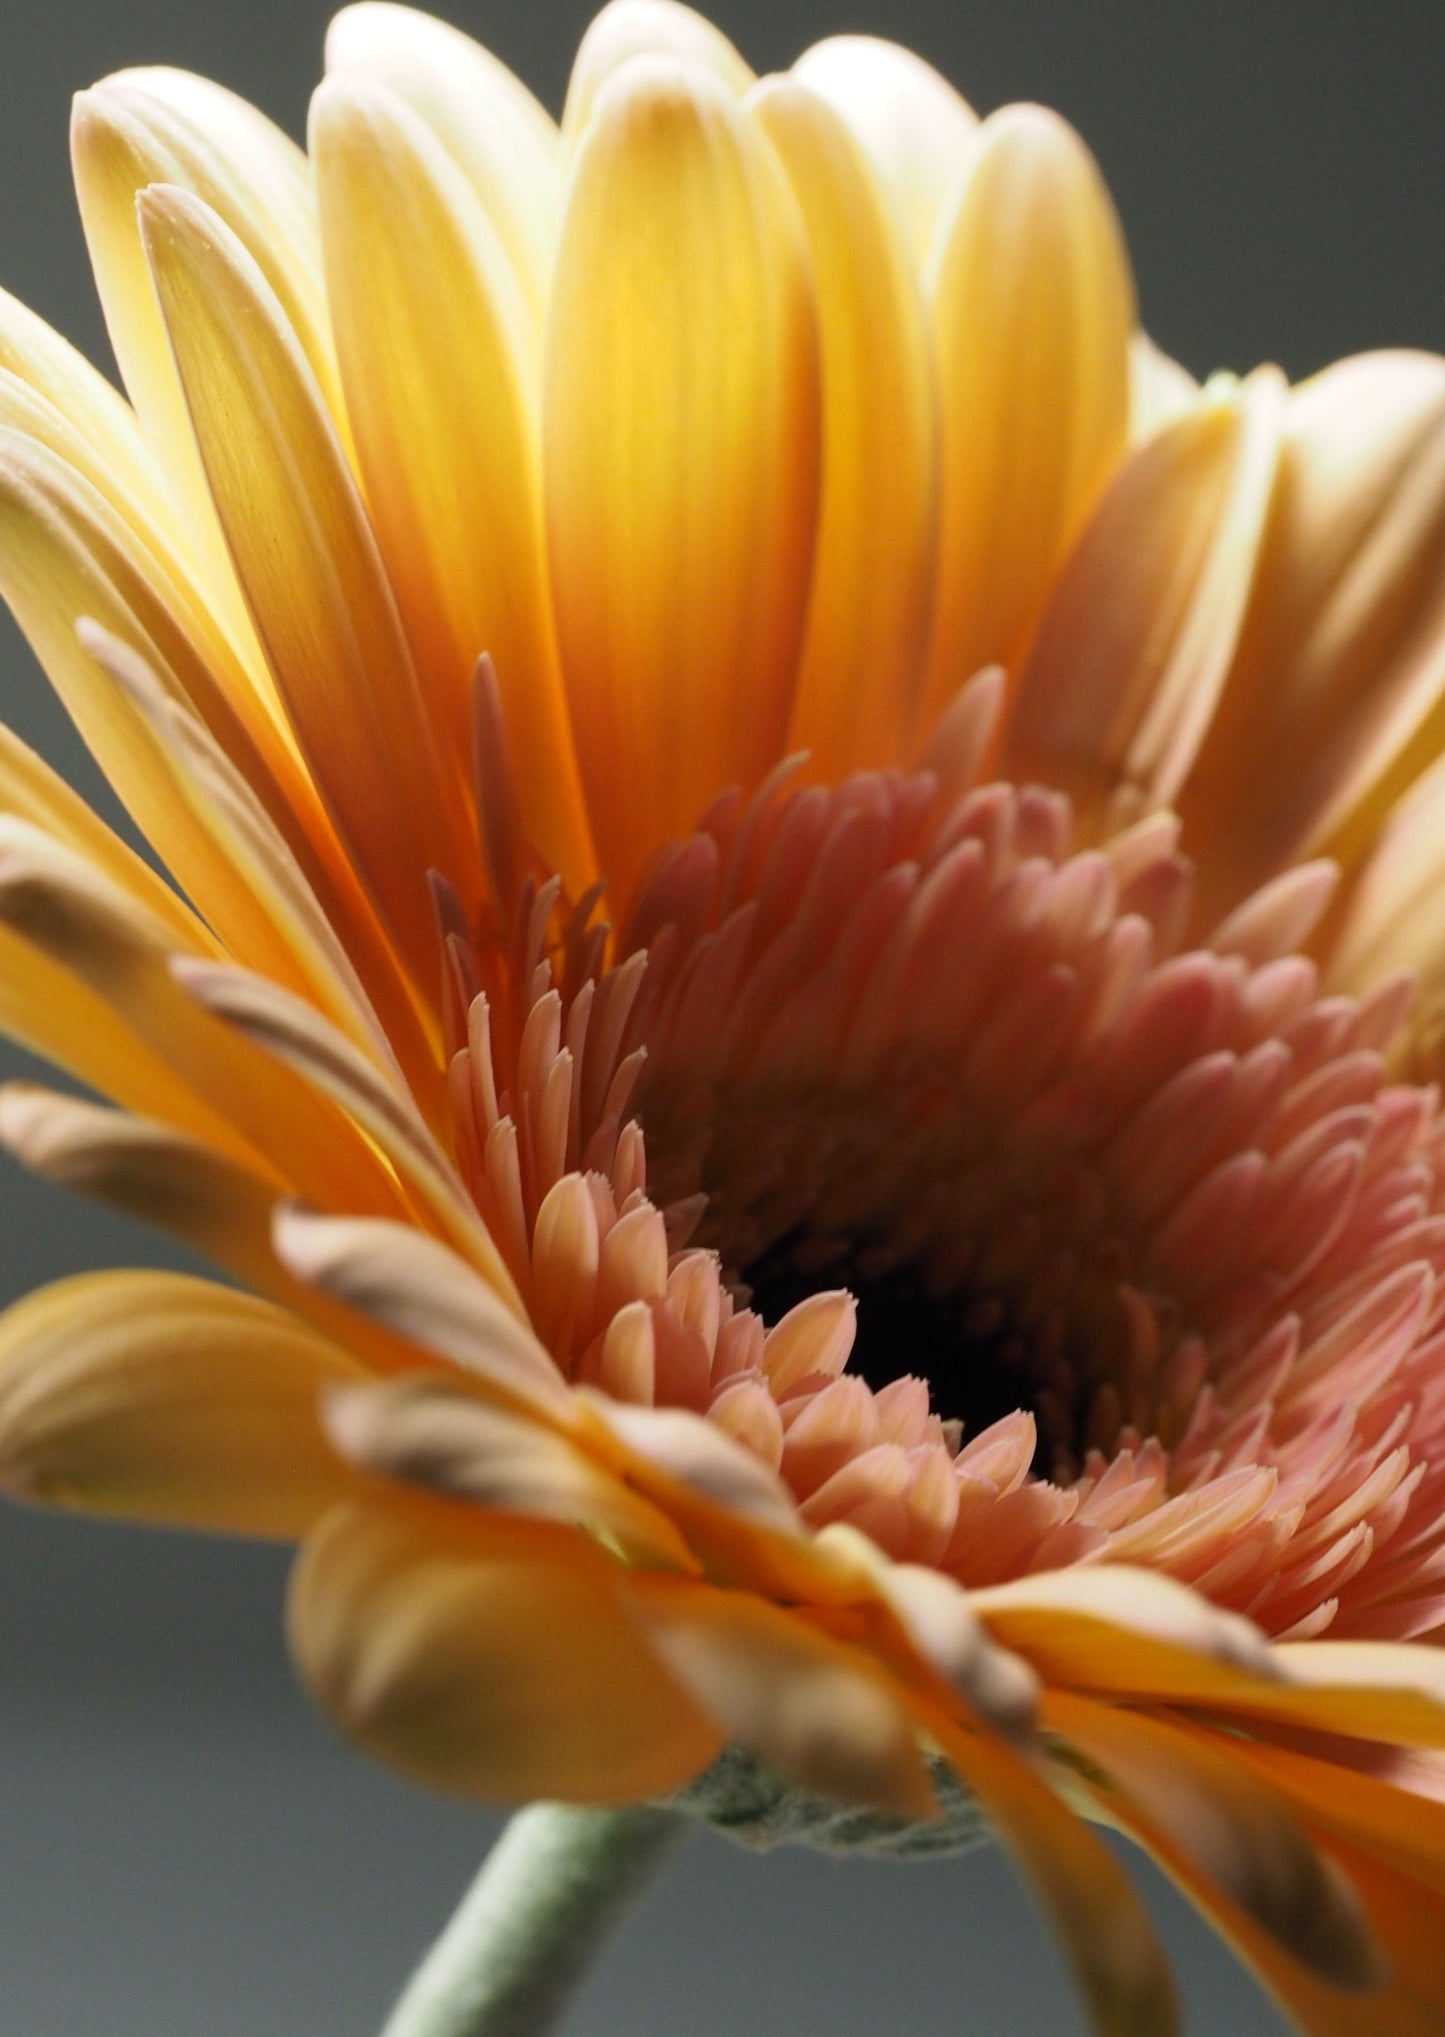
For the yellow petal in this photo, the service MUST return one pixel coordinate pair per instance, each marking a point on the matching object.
(252, 891)
(1341, 665)
(816, 1711)
(33, 792)
(1392, 1821)
(434, 348)
(503, 141)
(1235, 1831)
(64, 379)
(646, 28)
(1135, 641)
(489, 1657)
(680, 434)
(83, 922)
(1033, 306)
(1105, 1928)
(165, 126)
(308, 562)
(873, 568)
(46, 1008)
(912, 123)
(169, 1400)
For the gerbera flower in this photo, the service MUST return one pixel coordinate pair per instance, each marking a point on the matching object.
(793, 860)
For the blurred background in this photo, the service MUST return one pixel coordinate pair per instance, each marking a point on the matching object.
(183, 1847)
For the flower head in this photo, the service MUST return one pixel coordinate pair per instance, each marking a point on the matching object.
(795, 863)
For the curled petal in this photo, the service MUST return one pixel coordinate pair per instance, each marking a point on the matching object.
(489, 1656)
(169, 1400)
(821, 1714)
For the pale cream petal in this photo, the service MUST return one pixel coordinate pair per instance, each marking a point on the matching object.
(1341, 665)
(308, 562)
(1391, 923)
(1136, 639)
(489, 1656)
(822, 1714)
(1144, 1605)
(423, 1293)
(1236, 1832)
(1160, 389)
(680, 436)
(254, 1105)
(435, 355)
(169, 1400)
(505, 143)
(913, 124)
(702, 1457)
(873, 568)
(425, 1432)
(1105, 1928)
(62, 377)
(1033, 309)
(166, 126)
(646, 28)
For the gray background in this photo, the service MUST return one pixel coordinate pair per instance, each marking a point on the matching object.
(183, 1847)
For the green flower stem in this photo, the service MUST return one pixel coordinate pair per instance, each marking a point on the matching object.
(546, 1899)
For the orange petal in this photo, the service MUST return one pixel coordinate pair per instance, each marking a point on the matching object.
(1104, 1927)
(307, 560)
(153, 126)
(873, 569)
(1033, 308)
(680, 454)
(436, 358)
(489, 1657)
(169, 1400)
(819, 1713)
